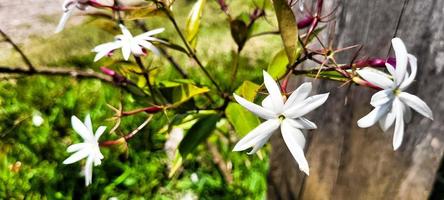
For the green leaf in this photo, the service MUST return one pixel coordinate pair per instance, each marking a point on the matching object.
(288, 28)
(278, 66)
(180, 91)
(242, 120)
(248, 90)
(193, 22)
(141, 12)
(331, 75)
(198, 133)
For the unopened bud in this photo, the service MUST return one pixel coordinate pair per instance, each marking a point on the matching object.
(108, 71)
(305, 22)
(153, 109)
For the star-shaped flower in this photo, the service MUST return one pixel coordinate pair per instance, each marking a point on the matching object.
(284, 113)
(89, 149)
(130, 44)
(392, 104)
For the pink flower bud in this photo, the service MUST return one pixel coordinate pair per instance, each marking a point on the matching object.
(305, 22)
(108, 71)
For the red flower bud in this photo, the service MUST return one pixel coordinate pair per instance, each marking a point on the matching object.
(305, 22)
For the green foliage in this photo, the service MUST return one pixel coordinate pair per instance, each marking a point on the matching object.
(198, 133)
(288, 29)
(278, 66)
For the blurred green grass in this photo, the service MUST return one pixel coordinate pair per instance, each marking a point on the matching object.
(31, 157)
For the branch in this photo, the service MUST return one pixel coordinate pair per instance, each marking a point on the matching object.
(57, 71)
(22, 54)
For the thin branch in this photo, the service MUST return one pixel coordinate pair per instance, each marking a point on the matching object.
(22, 54)
(220, 163)
(57, 71)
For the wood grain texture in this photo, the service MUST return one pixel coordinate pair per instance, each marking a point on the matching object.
(347, 162)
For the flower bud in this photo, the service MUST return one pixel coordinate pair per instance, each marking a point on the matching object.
(108, 71)
(305, 22)
(153, 109)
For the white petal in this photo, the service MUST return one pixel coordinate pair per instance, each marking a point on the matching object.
(259, 145)
(126, 50)
(306, 106)
(255, 136)
(150, 33)
(275, 92)
(414, 68)
(417, 104)
(287, 126)
(88, 122)
(372, 117)
(401, 59)
(155, 40)
(381, 97)
(79, 155)
(390, 69)
(301, 123)
(376, 77)
(298, 95)
(104, 49)
(386, 121)
(267, 103)
(257, 110)
(399, 124)
(293, 138)
(135, 48)
(81, 129)
(125, 31)
(63, 20)
(77, 147)
(99, 132)
(88, 171)
(149, 46)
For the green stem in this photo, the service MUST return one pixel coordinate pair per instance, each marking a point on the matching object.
(146, 75)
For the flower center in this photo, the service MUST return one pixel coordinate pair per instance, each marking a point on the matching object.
(396, 92)
(281, 117)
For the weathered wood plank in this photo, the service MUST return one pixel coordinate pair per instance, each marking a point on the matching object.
(347, 162)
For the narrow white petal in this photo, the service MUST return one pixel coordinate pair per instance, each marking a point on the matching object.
(125, 31)
(417, 104)
(259, 145)
(104, 49)
(390, 69)
(298, 95)
(155, 40)
(372, 117)
(399, 124)
(150, 33)
(287, 127)
(126, 50)
(79, 155)
(76, 147)
(267, 103)
(255, 136)
(88, 122)
(292, 137)
(135, 48)
(257, 110)
(81, 129)
(414, 68)
(301, 123)
(88, 171)
(376, 77)
(63, 20)
(386, 121)
(275, 92)
(382, 97)
(99, 132)
(149, 46)
(306, 106)
(401, 59)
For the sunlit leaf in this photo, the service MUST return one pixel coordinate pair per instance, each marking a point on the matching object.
(193, 22)
(141, 12)
(198, 133)
(242, 120)
(177, 163)
(288, 28)
(278, 65)
(248, 90)
(180, 91)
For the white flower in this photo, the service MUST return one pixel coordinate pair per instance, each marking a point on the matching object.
(392, 104)
(89, 149)
(287, 115)
(129, 44)
(37, 119)
(68, 8)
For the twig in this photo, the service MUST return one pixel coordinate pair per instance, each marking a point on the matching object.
(22, 54)
(220, 163)
(126, 137)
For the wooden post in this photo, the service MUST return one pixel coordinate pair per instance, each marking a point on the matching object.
(347, 162)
